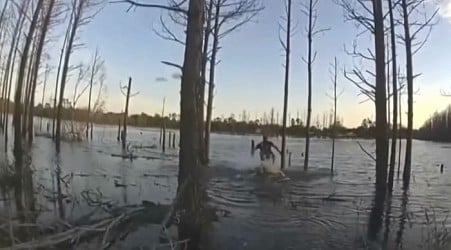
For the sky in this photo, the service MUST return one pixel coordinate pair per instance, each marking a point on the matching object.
(250, 75)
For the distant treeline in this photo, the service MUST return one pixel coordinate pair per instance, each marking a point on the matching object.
(219, 125)
(437, 128)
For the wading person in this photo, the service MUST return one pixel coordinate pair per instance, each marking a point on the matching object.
(265, 149)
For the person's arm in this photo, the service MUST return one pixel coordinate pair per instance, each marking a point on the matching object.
(259, 146)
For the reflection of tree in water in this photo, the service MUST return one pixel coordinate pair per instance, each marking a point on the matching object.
(402, 219)
(387, 221)
(376, 216)
(24, 199)
(59, 194)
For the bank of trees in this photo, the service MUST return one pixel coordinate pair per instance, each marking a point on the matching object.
(381, 20)
(27, 33)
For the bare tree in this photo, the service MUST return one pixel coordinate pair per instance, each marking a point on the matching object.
(412, 45)
(60, 63)
(96, 66)
(81, 77)
(127, 98)
(42, 38)
(20, 79)
(8, 77)
(372, 19)
(189, 169)
(80, 17)
(100, 99)
(394, 65)
(286, 45)
(47, 72)
(310, 10)
(333, 124)
(222, 18)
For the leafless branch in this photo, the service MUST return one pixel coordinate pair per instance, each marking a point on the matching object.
(366, 152)
(149, 5)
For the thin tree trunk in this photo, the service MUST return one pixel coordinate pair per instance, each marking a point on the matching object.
(207, 33)
(395, 98)
(57, 81)
(334, 128)
(76, 19)
(124, 137)
(287, 76)
(309, 97)
(2, 15)
(43, 96)
(400, 134)
(380, 100)
(28, 86)
(409, 71)
(190, 169)
(211, 82)
(41, 43)
(7, 81)
(20, 79)
(90, 93)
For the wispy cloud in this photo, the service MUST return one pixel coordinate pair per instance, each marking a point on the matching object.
(445, 9)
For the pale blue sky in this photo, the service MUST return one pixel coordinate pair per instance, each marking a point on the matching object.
(250, 75)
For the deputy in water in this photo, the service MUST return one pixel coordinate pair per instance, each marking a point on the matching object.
(265, 149)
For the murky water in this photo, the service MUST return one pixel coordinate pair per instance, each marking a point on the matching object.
(310, 211)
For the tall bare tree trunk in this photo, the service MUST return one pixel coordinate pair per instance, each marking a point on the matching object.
(124, 137)
(287, 79)
(309, 97)
(26, 97)
(334, 128)
(47, 71)
(409, 71)
(57, 81)
(20, 78)
(395, 98)
(400, 134)
(207, 33)
(76, 12)
(380, 99)
(7, 81)
(41, 43)
(2, 21)
(190, 170)
(211, 82)
(90, 93)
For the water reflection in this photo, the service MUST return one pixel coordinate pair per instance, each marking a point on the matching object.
(59, 194)
(402, 219)
(308, 212)
(388, 207)
(376, 217)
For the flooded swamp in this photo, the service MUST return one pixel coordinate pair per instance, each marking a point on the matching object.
(86, 198)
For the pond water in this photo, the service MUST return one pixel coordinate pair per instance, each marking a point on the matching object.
(313, 210)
